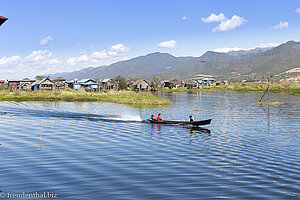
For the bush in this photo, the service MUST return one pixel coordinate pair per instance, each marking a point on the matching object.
(69, 90)
(2, 87)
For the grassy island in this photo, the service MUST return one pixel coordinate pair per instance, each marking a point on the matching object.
(122, 97)
(275, 87)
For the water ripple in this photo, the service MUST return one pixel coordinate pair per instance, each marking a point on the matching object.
(239, 156)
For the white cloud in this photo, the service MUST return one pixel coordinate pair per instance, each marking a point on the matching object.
(227, 49)
(39, 55)
(184, 18)
(119, 48)
(281, 25)
(71, 61)
(44, 62)
(77, 60)
(225, 24)
(45, 41)
(297, 10)
(99, 55)
(96, 58)
(273, 44)
(9, 60)
(83, 58)
(214, 18)
(230, 24)
(168, 44)
(37, 62)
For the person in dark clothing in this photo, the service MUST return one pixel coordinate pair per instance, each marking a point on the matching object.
(192, 118)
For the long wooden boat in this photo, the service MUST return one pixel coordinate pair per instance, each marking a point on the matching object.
(195, 123)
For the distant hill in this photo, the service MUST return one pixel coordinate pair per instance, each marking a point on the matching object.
(257, 61)
(284, 57)
(143, 67)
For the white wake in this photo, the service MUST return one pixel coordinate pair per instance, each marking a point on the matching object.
(127, 117)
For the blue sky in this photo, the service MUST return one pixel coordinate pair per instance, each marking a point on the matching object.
(48, 36)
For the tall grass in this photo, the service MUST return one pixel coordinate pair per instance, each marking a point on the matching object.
(276, 87)
(122, 97)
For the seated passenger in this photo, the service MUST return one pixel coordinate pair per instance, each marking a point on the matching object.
(192, 118)
(153, 117)
(159, 117)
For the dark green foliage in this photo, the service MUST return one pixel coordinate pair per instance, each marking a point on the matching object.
(41, 77)
(156, 80)
(122, 83)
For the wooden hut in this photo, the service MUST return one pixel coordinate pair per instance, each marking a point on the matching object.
(60, 83)
(141, 85)
(107, 84)
(44, 84)
(208, 81)
(88, 84)
(74, 84)
(26, 84)
(13, 84)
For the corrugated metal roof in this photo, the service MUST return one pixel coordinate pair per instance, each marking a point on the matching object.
(106, 80)
(86, 80)
(143, 82)
(43, 80)
(60, 79)
(14, 80)
(208, 79)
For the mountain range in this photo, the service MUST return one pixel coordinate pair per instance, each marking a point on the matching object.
(255, 63)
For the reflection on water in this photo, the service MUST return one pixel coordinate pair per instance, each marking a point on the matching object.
(41, 137)
(156, 128)
(199, 130)
(88, 151)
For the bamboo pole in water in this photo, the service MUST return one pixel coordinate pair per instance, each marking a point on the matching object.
(267, 90)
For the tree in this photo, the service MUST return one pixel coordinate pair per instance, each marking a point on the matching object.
(156, 80)
(175, 80)
(41, 77)
(135, 79)
(121, 81)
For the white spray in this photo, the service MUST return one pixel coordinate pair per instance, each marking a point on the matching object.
(128, 117)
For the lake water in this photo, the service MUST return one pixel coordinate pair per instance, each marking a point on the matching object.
(86, 150)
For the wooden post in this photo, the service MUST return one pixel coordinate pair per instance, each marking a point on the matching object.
(267, 90)
(268, 87)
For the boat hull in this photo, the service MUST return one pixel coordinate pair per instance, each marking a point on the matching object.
(195, 123)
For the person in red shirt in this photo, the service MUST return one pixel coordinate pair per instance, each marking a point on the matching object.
(159, 117)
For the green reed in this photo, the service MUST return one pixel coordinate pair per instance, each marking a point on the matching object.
(122, 97)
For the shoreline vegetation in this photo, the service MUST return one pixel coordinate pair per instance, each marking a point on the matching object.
(121, 97)
(275, 103)
(145, 99)
(275, 87)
